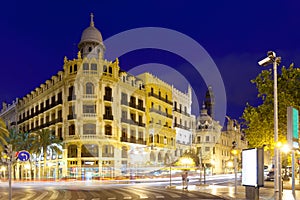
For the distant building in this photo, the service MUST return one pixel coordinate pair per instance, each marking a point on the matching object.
(214, 143)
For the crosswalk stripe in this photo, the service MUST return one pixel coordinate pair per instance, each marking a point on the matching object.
(29, 196)
(160, 197)
(67, 195)
(96, 199)
(42, 196)
(127, 198)
(54, 195)
(111, 198)
(139, 193)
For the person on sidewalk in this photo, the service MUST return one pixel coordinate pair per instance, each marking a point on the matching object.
(185, 181)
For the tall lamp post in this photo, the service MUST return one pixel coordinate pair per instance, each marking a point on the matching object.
(272, 59)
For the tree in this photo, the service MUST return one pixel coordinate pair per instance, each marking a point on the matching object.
(4, 134)
(259, 121)
(45, 142)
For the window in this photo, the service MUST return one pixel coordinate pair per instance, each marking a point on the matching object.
(124, 152)
(207, 148)
(108, 91)
(71, 110)
(59, 134)
(89, 150)
(124, 114)
(199, 139)
(89, 128)
(108, 111)
(110, 70)
(207, 139)
(94, 66)
(71, 91)
(85, 66)
(141, 135)
(75, 68)
(90, 49)
(71, 69)
(72, 129)
(72, 151)
(124, 133)
(124, 98)
(108, 151)
(108, 130)
(89, 88)
(140, 103)
(89, 108)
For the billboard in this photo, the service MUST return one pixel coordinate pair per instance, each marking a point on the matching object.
(253, 167)
(293, 127)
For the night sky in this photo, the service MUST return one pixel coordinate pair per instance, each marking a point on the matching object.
(36, 35)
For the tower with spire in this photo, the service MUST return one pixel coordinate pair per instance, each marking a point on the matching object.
(210, 101)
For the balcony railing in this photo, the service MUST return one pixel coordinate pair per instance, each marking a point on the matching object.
(108, 117)
(72, 98)
(89, 114)
(108, 98)
(160, 98)
(72, 116)
(161, 112)
(89, 96)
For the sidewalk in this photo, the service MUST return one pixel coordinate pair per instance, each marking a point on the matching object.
(265, 193)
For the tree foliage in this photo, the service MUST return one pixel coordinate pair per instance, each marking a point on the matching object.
(259, 121)
(4, 134)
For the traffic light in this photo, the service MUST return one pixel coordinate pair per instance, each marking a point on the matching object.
(6, 155)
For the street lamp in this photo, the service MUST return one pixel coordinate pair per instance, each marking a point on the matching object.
(272, 59)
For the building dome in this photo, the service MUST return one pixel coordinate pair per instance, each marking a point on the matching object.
(91, 34)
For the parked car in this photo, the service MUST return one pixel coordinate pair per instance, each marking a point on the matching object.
(270, 176)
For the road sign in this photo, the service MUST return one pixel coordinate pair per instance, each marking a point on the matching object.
(23, 155)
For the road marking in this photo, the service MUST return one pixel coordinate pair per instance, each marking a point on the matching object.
(29, 196)
(160, 197)
(143, 197)
(111, 198)
(54, 195)
(96, 199)
(42, 196)
(127, 198)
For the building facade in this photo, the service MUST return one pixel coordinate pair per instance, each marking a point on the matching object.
(111, 122)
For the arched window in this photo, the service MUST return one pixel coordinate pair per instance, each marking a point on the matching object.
(90, 49)
(75, 68)
(89, 88)
(72, 151)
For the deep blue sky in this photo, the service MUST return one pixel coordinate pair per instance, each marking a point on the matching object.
(36, 35)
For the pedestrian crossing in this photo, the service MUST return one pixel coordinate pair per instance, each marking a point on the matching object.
(116, 193)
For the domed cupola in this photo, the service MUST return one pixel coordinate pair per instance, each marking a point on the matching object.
(204, 122)
(91, 43)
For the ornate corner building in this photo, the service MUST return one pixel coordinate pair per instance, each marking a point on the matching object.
(110, 121)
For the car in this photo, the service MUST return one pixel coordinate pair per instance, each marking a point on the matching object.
(270, 176)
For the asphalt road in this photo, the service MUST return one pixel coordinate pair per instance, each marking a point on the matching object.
(96, 191)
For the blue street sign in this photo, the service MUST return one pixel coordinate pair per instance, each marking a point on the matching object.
(23, 155)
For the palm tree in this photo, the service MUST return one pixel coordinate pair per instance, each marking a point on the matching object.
(4, 134)
(45, 142)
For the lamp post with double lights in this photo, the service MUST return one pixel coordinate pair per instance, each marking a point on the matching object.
(272, 59)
